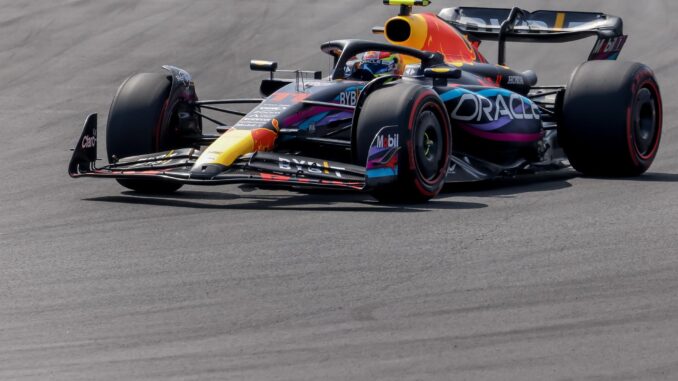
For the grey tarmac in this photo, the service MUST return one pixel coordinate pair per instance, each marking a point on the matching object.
(552, 277)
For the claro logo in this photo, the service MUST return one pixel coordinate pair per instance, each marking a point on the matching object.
(89, 141)
(309, 166)
(476, 108)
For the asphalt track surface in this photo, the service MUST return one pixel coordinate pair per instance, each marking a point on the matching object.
(552, 277)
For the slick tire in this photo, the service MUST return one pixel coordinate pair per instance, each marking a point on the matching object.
(611, 122)
(134, 125)
(424, 140)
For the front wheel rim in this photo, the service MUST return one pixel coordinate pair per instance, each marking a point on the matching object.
(429, 145)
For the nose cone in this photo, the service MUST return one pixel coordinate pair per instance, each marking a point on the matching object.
(229, 147)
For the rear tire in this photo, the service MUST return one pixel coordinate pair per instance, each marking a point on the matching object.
(424, 139)
(612, 119)
(135, 126)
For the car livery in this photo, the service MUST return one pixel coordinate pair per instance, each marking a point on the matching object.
(450, 116)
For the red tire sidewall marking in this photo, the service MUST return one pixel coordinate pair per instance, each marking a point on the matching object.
(643, 79)
(410, 146)
(657, 137)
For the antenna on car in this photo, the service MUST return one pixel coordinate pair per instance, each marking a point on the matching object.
(406, 5)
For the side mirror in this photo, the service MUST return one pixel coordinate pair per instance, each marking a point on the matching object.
(440, 75)
(258, 65)
(271, 85)
(442, 72)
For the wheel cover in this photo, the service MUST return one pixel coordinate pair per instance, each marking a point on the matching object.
(429, 145)
(645, 122)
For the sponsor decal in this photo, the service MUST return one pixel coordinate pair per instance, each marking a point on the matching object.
(491, 25)
(180, 75)
(474, 107)
(411, 70)
(382, 159)
(183, 76)
(515, 80)
(349, 97)
(609, 45)
(150, 160)
(261, 116)
(309, 166)
(89, 141)
(263, 139)
(386, 140)
(158, 160)
(607, 48)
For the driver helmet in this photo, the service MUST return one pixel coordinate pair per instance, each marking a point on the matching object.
(374, 64)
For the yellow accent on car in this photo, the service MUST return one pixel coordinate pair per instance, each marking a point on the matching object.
(409, 3)
(440, 69)
(560, 20)
(227, 148)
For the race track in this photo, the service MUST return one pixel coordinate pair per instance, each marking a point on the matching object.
(554, 277)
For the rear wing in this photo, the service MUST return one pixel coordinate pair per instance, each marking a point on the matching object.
(518, 25)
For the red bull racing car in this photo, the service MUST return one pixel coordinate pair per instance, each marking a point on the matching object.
(397, 119)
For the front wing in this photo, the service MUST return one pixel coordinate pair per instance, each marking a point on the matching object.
(260, 168)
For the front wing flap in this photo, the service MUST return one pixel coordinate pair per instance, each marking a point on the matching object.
(261, 167)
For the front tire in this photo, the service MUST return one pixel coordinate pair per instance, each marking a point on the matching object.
(612, 119)
(424, 138)
(135, 126)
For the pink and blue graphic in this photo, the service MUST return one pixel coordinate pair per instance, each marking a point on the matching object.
(382, 159)
(494, 114)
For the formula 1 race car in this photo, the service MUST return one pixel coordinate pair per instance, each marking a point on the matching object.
(397, 119)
